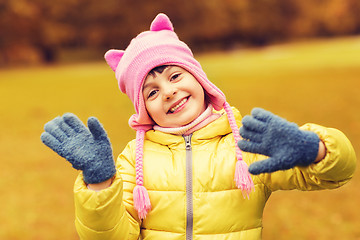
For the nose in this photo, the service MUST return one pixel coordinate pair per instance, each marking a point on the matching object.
(169, 92)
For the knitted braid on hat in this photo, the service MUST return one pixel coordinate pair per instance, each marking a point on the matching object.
(242, 177)
(141, 197)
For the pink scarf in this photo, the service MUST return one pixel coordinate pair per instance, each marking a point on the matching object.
(204, 119)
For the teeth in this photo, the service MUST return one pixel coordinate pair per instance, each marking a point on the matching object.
(173, 109)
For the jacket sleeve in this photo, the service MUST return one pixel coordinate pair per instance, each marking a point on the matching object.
(336, 169)
(109, 213)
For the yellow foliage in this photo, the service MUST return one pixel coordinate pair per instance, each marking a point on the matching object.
(314, 81)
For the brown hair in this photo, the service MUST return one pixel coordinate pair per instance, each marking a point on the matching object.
(158, 69)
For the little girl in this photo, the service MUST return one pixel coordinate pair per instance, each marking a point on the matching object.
(184, 176)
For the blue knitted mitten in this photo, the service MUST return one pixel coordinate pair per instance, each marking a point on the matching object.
(86, 149)
(283, 142)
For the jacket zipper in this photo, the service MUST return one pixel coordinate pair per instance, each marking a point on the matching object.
(189, 190)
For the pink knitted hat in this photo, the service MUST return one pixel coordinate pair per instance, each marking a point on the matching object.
(150, 49)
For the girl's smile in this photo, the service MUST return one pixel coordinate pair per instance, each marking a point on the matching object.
(173, 98)
(178, 106)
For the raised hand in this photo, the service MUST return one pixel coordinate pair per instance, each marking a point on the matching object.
(283, 142)
(87, 149)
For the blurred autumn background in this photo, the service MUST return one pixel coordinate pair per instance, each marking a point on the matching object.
(298, 59)
(39, 30)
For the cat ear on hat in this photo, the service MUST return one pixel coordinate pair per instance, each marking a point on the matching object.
(113, 58)
(161, 22)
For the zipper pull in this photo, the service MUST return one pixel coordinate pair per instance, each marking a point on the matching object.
(187, 142)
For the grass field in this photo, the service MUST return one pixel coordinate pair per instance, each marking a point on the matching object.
(315, 81)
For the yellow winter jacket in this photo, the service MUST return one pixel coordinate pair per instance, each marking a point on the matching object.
(212, 208)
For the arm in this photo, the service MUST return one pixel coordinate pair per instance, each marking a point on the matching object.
(104, 214)
(334, 170)
(99, 214)
(101, 185)
(114, 203)
(339, 163)
(321, 153)
(330, 166)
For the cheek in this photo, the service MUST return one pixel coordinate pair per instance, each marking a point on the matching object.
(200, 94)
(202, 100)
(198, 89)
(149, 109)
(153, 109)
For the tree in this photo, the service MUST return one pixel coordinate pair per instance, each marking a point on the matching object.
(35, 30)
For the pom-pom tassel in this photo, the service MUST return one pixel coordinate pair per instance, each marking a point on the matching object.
(243, 179)
(141, 201)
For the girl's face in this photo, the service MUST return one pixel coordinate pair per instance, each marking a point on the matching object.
(174, 97)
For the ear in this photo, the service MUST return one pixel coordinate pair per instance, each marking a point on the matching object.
(161, 22)
(113, 58)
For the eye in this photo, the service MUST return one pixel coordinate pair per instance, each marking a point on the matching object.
(175, 76)
(152, 93)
